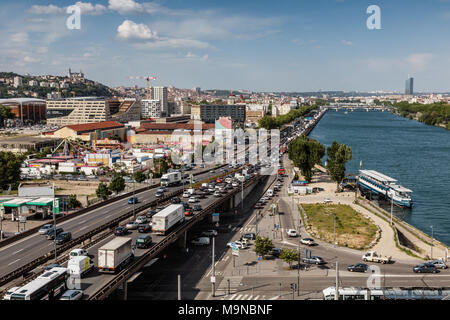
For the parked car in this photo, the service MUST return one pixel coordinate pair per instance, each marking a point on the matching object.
(425, 268)
(120, 231)
(308, 241)
(51, 233)
(292, 233)
(438, 264)
(359, 267)
(7, 295)
(44, 229)
(276, 252)
(144, 228)
(238, 244)
(202, 241)
(63, 237)
(314, 260)
(249, 236)
(161, 189)
(72, 295)
(186, 194)
(150, 213)
(210, 233)
(133, 200)
(141, 219)
(159, 194)
(188, 212)
(217, 194)
(132, 225)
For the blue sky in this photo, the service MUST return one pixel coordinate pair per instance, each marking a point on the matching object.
(256, 45)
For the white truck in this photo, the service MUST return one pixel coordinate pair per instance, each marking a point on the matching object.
(80, 265)
(372, 256)
(171, 179)
(79, 252)
(167, 218)
(270, 193)
(115, 254)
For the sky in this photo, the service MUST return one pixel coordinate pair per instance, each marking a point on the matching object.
(255, 45)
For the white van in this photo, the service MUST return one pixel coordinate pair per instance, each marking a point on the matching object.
(270, 193)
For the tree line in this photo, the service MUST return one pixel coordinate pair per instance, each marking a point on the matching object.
(434, 114)
(271, 122)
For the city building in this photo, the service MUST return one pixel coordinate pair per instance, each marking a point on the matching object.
(17, 82)
(89, 110)
(160, 93)
(29, 143)
(91, 131)
(152, 132)
(151, 108)
(409, 86)
(209, 113)
(75, 76)
(26, 108)
(33, 83)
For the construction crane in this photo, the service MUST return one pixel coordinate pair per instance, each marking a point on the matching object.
(148, 78)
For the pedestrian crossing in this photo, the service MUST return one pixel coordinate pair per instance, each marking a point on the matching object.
(246, 230)
(244, 297)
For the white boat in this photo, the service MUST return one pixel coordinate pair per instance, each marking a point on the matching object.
(380, 184)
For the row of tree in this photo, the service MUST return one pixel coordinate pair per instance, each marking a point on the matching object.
(270, 122)
(306, 152)
(434, 114)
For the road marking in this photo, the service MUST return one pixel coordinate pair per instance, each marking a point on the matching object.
(82, 228)
(18, 251)
(256, 298)
(274, 298)
(81, 222)
(13, 262)
(232, 297)
(234, 228)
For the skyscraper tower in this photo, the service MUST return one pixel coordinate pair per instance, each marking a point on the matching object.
(409, 86)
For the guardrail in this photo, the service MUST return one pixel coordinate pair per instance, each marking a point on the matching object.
(97, 205)
(41, 260)
(125, 274)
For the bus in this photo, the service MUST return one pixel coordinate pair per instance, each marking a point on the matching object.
(47, 286)
(387, 293)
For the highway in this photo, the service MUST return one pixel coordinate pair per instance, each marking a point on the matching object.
(26, 250)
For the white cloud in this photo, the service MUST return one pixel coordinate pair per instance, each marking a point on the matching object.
(50, 9)
(90, 9)
(20, 37)
(125, 6)
(419, 60)
(28, 59)
(346, 42)
(174, 43)
(130, 30)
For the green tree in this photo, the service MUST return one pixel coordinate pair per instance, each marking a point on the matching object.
(103, 191)
(305, 153)
(289, 256)
(263, 245)
(73, 202)
(139, 176)
(9, 169)
(338, 155)
(117, 184)
(5, 113)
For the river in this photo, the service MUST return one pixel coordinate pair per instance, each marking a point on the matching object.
(415, 154)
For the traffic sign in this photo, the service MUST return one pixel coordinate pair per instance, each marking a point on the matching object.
(259, 258)
(213, 279)
(234, 250)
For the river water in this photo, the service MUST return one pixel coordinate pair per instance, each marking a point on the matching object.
(415, 154)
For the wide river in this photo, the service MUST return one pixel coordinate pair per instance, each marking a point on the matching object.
(415, 154)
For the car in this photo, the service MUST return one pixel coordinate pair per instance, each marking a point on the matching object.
(150, 213)
(308, 241)
(120, 231)
(144, 228)
(425, 268)
(217, 194)
(51, 266)
(63, 237)
(210, 233)
(72, 295)
(327, 200)
(143, 241)
(292, 233)
(276, 252)
(8, 293)
(238, 244)
(438, 264)
(193, 200)
(218, 180)
(133, 200)
(314, 260)
(186, 194)
(141, 219)
(235, 184)
(188, 212)
(201, 241)
(51, 233)
(249, 236)
(176, 200)
(358, 267)
(132, 225)
(159, 194)
(197, 207)
(44, 229)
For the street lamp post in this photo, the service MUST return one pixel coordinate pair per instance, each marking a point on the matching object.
(134, 199)
(298, 269)
(392, 208)
(431, 247)
(242, 194)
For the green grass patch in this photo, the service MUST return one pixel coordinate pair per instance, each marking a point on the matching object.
(353, 230)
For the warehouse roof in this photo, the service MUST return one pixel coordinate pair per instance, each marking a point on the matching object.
(89, 127)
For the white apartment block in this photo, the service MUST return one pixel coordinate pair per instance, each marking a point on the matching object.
(17, 82)
(151, 108)
(33, 83)
(43, 84)
(161, 93)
